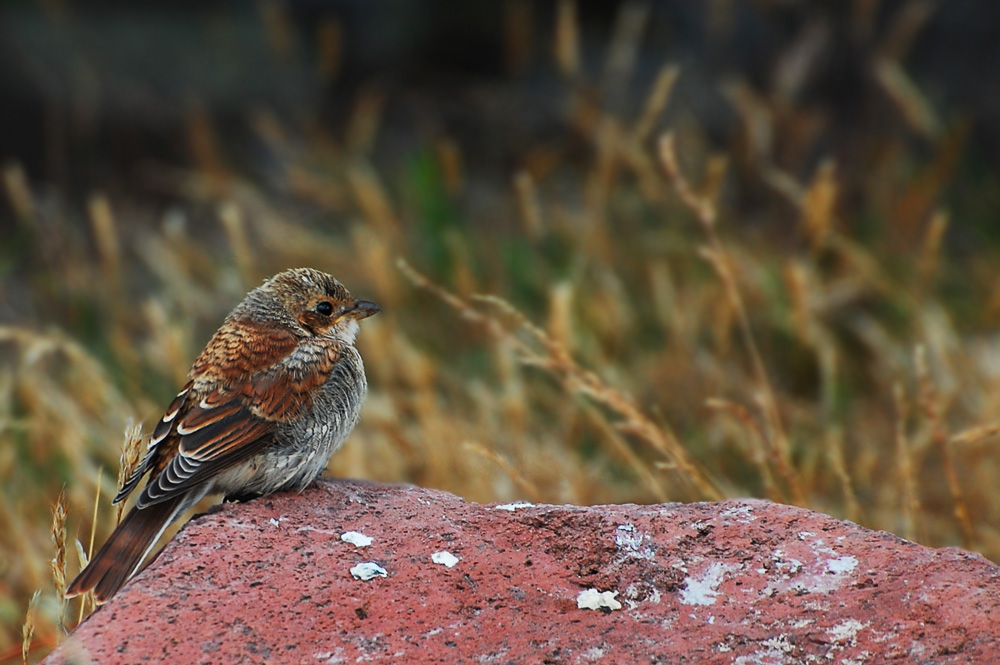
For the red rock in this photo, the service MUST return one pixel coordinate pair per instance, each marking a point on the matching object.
(270, 581)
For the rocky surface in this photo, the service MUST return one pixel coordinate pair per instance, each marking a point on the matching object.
(282, 580)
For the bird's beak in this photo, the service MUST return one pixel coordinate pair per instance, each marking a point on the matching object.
(362, 309)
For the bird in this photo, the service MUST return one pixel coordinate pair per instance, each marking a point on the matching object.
(275, 392)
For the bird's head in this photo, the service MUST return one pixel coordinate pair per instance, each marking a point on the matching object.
(311, 301)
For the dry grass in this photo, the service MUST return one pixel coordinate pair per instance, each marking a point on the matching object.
(640, 341)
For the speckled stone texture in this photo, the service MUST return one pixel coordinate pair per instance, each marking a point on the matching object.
(736, 582)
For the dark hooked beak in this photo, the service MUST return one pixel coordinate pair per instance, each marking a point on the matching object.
(362, 309)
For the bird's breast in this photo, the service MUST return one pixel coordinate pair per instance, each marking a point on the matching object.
(303, 446)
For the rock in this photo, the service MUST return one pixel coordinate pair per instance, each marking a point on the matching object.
(284, 580)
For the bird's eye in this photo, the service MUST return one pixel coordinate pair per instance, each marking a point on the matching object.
(325, 308)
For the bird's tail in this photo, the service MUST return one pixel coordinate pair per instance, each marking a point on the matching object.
(126, 548)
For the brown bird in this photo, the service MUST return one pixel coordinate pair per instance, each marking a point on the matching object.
(274, 393)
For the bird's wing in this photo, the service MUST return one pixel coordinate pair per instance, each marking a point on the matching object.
(245, 391)
(163, 428)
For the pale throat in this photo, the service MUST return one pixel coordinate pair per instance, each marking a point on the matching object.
(346, 331)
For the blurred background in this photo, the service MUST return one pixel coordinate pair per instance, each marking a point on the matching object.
(627, 251)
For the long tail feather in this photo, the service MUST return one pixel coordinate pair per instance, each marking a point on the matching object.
(126, 548)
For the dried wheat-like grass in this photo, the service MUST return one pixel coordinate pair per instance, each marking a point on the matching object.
(59, 559)
(93, 517)
(632, 146)
(28, 628)
(213, 173)
(105, 234)
(930, 406)
(22, 202)
(528, 204)
(567, 39)
(909, 499)
(656, 101)
(87, 602)
(329, 48)
(363, 125)
(911, 102)
(518, 27)
(539, 350)
(742, 415)
(834, 445)
(904, 28)
(449, 158)
(976, 435)
(131, 457)
(279, 25)
(232, 221)
(373, 201)
(930, 251)
(818, 206)
(705, 213)
(623, 49)
(530, 489)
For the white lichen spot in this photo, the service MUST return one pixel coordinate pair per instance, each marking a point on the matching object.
(629, 541)
(842, 565)
(626, 537)
(860, 660)
(779, 643)
(274, 522)
(631, 596)
(446, 559)
(368, 570)
(356, 538)
(592, 654)
(776, 651)
(592, 599)
(511, 507)
(846, 631)
(743, 514)
(784, 564)
(635, 594)
(823, 574)
(330, 657)
(704, 590)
